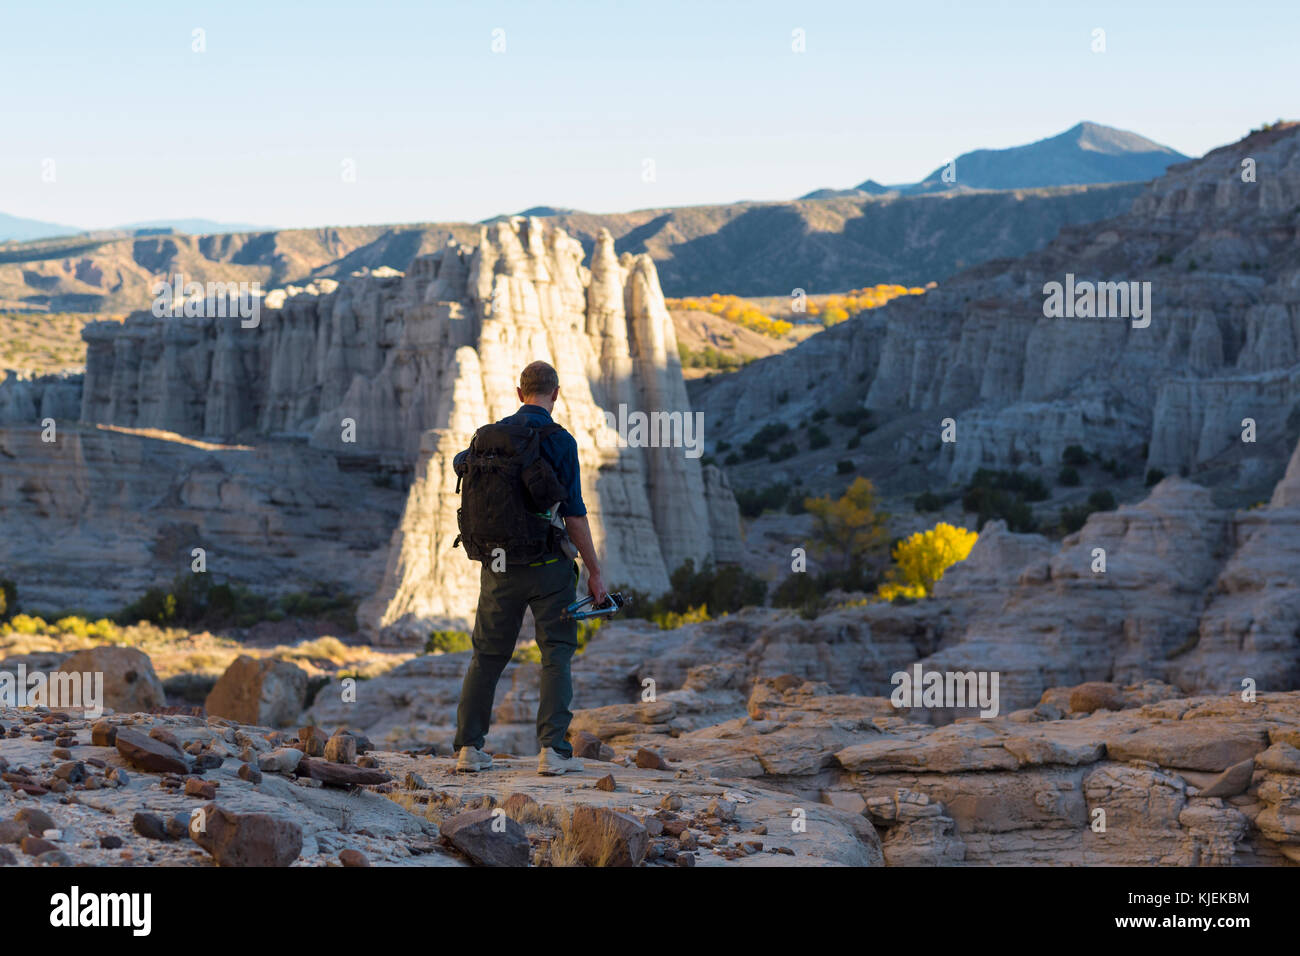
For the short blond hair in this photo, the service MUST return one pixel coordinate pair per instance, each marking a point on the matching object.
(538, 378)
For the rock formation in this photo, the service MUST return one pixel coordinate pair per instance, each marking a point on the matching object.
(391, 374)
(1216, 246)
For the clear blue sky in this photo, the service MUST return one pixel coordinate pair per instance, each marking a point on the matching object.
(256, 128)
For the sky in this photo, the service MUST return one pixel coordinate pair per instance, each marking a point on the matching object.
(328, 113)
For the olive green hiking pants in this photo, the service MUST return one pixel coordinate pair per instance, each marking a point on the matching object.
(547, 588)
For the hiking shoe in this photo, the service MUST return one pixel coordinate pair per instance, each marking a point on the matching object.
(551, 764)
(472, 760)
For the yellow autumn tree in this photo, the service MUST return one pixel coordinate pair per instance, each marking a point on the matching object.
(921, 559)
(849, 529)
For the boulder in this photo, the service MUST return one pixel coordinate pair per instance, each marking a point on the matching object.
(265, 692)
(488, 837)
(149, 753)
(130, 683)
(246, 839)
(1202, 744)
(604, 837)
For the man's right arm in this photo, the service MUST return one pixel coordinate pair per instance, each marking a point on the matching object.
(580, 533)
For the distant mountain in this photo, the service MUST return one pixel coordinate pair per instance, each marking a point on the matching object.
(819, 245)
(21, 230)
(868, 188)
(1086, 154)
(541, 212)
(194, 227)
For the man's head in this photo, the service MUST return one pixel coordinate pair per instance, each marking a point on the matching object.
(539, 385)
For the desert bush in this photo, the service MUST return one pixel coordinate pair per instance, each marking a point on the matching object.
(845, 466)
(787, 450)
(693, 592)
(197, 599)
(817, 438)
(1074, 455)
(1154, 477)
(448, 642)
(8, 599)
(754, 501)
(921, 559)
(1068, 476)
(848, 531)
(927, 501)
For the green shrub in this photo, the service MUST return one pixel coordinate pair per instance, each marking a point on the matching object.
(817, 438)
(1102, 500)
(754, 501)
(928, 501)
(1074, 455)
(787, 450)
(694, 595)
(845, 466)
(8, 599)
(756, 447)
(1068, 476)
(448, 642)
(196, 599)
(1154, 477)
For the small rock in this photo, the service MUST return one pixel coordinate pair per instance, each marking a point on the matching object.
(110, 842)
(35, 846)
(37, 820)
(250, 773)
(671, 801)
(414, 781)
(283, 760)
(604, 837)
(606, 783)
(203, 789)
(724, 810)
(487, 837)
(312, 741)
(150, 753)
(341, 748)
(177, 826)
(685, 859)
(687, 840)
(339, 774)
(13, 831)
(588, 746)
(650, 760)
(518, 804)
(247, 839)
(7, 858)
(54, 858)
(74, 771)
(103, 734)
(353, 858)
(150, 826)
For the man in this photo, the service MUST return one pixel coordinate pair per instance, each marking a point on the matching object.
(546, 585)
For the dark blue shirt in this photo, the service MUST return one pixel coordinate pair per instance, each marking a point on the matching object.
(559, 448)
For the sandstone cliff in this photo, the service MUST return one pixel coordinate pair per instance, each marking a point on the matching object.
(391, 374)
(1221, 345)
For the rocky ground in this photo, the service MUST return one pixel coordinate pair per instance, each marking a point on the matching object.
(790, 774)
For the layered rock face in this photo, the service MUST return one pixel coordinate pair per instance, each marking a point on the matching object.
(1216, 247)
(97, 516)
(399, 370)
